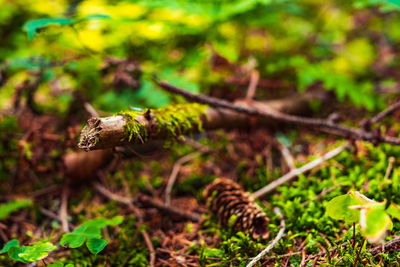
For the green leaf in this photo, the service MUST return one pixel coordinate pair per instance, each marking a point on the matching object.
(95, 245)
(36, 251)
(9, 207)
(374, 222)
(14, 252)
(338, 207)
(93, 231)
(8, 245)
(394, 211)
(96, 223)
(32, 26)
(89, 230)
(73, 240)
(117, 220)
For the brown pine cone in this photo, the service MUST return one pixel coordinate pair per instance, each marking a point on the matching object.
(226, 198)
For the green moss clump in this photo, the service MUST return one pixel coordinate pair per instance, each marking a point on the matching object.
(134, 128)
(178, 120)
(174, 120)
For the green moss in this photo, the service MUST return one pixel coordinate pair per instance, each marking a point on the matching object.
(134, 128)
(174, 120)
(178, 120)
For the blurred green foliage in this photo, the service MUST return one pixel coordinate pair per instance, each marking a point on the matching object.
(303, 42)
(7, 208)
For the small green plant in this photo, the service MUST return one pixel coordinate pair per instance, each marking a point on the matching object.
(373, 217)
(37, 250)
(89, 232)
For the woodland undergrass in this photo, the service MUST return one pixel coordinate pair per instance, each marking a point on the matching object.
(304, 214)
(307, 225)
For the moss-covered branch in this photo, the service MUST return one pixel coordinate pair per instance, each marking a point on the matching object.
(175, 121)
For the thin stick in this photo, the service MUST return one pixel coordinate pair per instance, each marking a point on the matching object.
(326, 126)
(389, 168)
(148, 201)
(50, 214)
(273, 243)
(150, 247)
(386, 112)
(168, 209)
(107, 193)
(392, 245)
(292, 174)
(63, 209)
(174, 174)
(175, 170)
(91, 110)
(287, 156)
(251, 90)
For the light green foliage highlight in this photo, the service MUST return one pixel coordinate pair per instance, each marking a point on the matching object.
(35, 251)
(394, 211)
(373, 217)
(9, 207)
(374, 223)
(338, 208)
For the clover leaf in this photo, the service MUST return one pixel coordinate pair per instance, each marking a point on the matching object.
(90, 232)
(95, 245)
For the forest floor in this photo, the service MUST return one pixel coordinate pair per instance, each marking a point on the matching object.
(68, 188)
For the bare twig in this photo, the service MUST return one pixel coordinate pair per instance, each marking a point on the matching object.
(386, 112)
(174, 174)
(107, 193)
(168, 209)
(272, 244)
(50, 214)
(150, 247)
(147, 201)
(92, 111)
(292, 174)
(392, 245)
(251, 90)
(63, 209)
(286, 154)
(324, 125)
(175, 170)
(389, 168)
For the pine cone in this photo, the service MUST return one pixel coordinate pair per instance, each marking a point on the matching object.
(226, 198)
